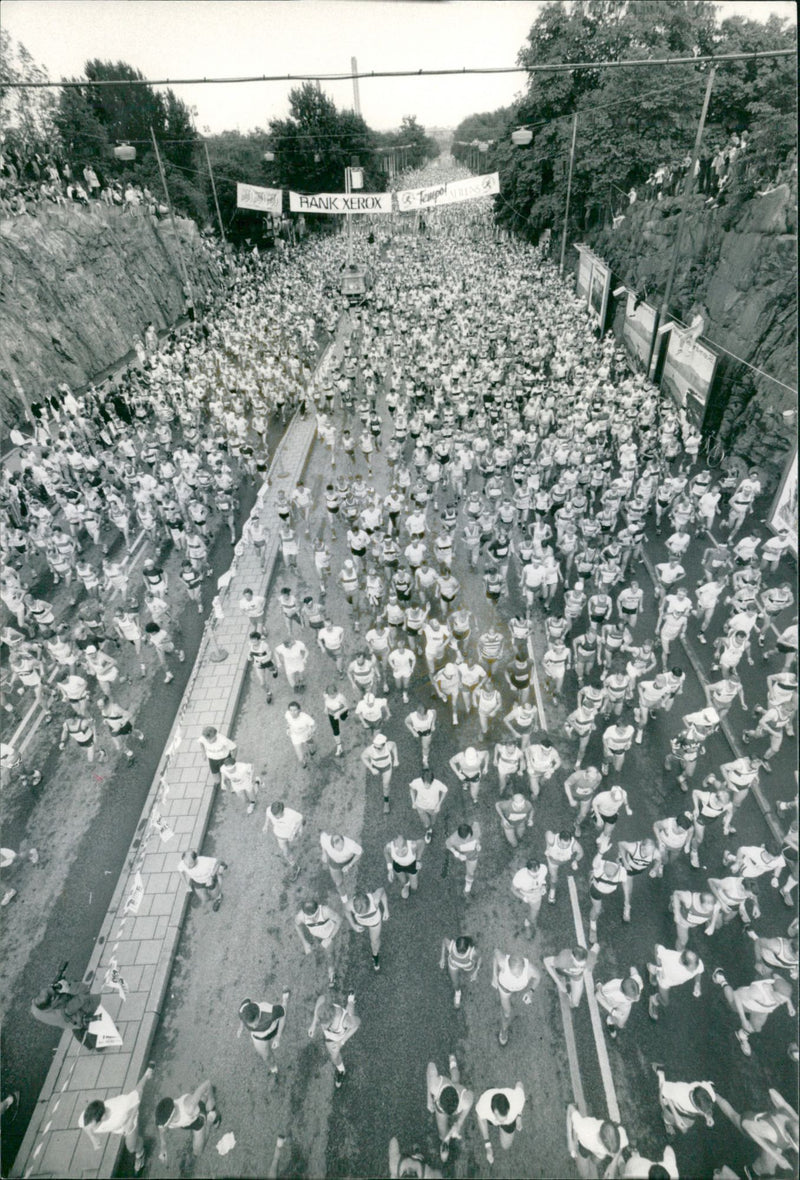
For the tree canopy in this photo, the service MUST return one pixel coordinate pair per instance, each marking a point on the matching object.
(631, 120)
(26, 116)
(315, 144)
(420, 147)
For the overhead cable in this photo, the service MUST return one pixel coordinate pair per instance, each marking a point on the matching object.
(537, 68)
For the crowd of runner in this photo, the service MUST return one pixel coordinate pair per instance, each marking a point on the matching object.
(522, 452)
(520, 455)
(149, 466)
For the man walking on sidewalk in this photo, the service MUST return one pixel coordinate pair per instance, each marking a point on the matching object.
(118, 1116)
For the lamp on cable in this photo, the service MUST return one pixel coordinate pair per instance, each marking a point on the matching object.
(521, 137)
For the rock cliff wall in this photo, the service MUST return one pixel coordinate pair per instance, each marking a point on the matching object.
(738, 268)
(77, 286)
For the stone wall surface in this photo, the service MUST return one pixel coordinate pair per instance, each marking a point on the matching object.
(77, 286)
(738, 267)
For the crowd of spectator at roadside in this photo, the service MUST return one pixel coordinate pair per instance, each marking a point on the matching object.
(723, 164)
(42, 181)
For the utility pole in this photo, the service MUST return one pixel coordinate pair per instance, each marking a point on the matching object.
(182, 264)
(214, 191)
(688, 189)
(348, 190)
(569, 193)
(356, 97)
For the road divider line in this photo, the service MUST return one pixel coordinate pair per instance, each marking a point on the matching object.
(537, 688)
(594, 1012)
(572, 1054)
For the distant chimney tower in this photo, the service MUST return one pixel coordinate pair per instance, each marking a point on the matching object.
(356, 98)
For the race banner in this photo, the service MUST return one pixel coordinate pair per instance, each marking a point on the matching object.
(411, 199)
(340, 202)
(263, 200)
(472, 188)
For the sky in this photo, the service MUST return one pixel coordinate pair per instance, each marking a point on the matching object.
(227, 38)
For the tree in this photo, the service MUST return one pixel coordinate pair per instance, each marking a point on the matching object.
(236, 157)
(180, 136)
(82, 136)
(419, 147)
(315, 144)
(91, 120)
(485, 127)
(631, 120)
(26, 116)
(126, 111)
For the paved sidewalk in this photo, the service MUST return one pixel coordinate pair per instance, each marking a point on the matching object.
(140, 933)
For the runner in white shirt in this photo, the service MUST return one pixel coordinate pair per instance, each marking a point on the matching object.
(372, 711)
(421, 724)
(301, 728)
(253, 605)
(330, 639)
(317, 925)
(542, 760)
(449, 1102)
(673, 619)
(708, 595)
(594, 1143)
(684, 1103)
(118, 1116)
(529, 884)
(447, 683)
(427, 795)
(617, 997)
(402, 662)
(500, 1108)
(238, 776)
(217, 747)
(672, 969)
(293, 656)
(341, 855)
(286, 825)
(368, 912)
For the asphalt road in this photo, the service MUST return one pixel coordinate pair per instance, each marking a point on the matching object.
(250, 949)
(406, 1010)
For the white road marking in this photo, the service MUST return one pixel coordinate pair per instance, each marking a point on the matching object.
(536, 686)
(572, 1054)
(594, 1013)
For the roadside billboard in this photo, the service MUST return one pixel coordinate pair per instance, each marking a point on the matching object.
(599, 290)
(584, 276)
(784, 507)
(688, 373)
(637, 330)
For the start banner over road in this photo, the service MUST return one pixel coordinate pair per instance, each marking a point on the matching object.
(449, 194)
(407, 200)
(340, 202)
(263, 200)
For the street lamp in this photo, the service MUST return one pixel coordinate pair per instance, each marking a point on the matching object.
(521, 137)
